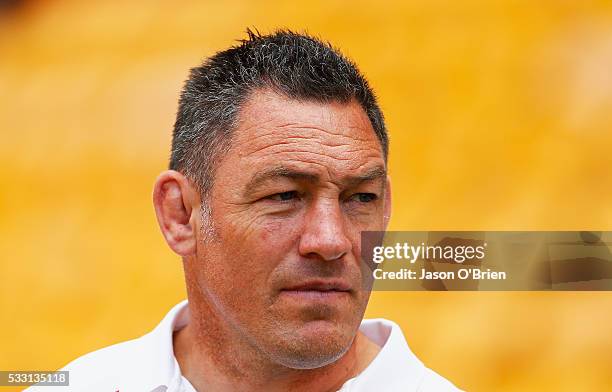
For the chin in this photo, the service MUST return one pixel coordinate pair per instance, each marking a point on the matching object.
(313, 345)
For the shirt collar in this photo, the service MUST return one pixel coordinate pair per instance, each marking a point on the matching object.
(396, 364)
(166, 370)
(395, 368)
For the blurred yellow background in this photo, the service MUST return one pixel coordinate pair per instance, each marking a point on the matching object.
(500, 116)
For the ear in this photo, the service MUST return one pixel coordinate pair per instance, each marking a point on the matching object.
(387, 204)
(176, 204)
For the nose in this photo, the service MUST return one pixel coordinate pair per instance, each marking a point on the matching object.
(324, 234)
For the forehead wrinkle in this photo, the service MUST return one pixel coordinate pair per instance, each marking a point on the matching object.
(267, 129)
(327, 164)
(309, 131)
(270, 139)
(264, 106)
(339, 131)
(245, 124)
(333, 128)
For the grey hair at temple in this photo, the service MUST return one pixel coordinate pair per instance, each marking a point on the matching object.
(297, 66)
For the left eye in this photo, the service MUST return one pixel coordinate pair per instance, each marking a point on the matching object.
(284, 196)
(364, 197)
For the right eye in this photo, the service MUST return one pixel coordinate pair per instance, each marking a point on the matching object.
(284, 196)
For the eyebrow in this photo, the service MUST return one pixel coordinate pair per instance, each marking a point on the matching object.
(259, 178)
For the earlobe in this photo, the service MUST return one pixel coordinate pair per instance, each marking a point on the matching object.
(173, 199)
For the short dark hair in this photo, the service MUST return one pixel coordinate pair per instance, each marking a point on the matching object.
(298, 66)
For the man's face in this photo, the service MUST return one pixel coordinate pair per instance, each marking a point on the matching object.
(282, 268)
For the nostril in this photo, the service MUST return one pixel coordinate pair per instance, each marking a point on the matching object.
(339, 256)
(326, 253)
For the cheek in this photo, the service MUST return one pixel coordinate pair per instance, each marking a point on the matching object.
(239, 266)
(250, 252)
(273, 243)
(278, 234)
(264, 235)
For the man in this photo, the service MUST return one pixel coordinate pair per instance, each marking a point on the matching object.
(279, 162)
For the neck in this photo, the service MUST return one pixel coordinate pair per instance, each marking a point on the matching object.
(215, 361)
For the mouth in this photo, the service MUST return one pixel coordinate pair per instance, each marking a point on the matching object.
(318, 290)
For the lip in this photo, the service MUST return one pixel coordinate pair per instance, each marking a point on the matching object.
(323, 286)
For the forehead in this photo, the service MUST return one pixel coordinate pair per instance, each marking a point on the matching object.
(334, 136)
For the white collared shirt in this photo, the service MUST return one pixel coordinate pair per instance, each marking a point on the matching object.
(148, 364)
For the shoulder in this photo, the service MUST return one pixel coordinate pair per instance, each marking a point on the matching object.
(433, 382)
(108, 368)
(141, 364)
